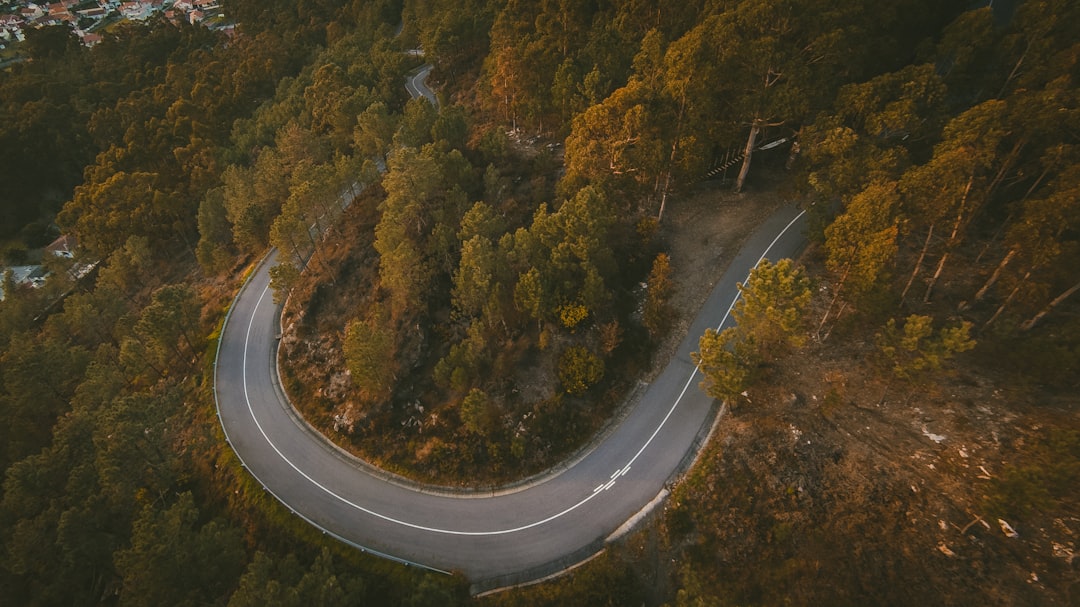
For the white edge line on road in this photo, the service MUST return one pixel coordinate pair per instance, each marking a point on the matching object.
(601, 489)
(225, 430)
(694, 373)
(344, 500)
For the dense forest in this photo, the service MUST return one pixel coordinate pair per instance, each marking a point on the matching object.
(514, 231)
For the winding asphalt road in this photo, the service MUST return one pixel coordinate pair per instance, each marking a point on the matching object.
(415, 83)
(496, 538)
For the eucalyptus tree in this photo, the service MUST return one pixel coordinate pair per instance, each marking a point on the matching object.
(873, 132)
(950, 189)
(860, 245)
(1040, 244)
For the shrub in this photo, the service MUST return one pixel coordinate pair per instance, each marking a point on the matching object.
(915, 350)
(579, 369)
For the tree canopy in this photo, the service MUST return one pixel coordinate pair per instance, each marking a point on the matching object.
(936, 146)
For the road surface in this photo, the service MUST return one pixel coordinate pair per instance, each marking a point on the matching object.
(416, 84)
(494, 539)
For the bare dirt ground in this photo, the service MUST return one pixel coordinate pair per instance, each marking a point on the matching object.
(831, 486)
(831, 483)
(918, 481)
(703, 231)
(834, 483)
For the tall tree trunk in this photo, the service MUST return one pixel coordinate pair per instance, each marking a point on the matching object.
(953, 237)
(918, 263)
(1006, 164)
(745, 170)
(663, 198)
(1028, 324)
(994, 277)
(1015, 70)
(793, 154)
(315, 250)
(1008, 299)
(1008, 220)
(300, 261)
(672, 156)
(836, 296)
(190, 343)
(328, 209)
(839, 313)
(937, 274)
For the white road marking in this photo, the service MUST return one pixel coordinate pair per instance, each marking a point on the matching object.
(722, 321)
(344, 500)
(600, 489)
